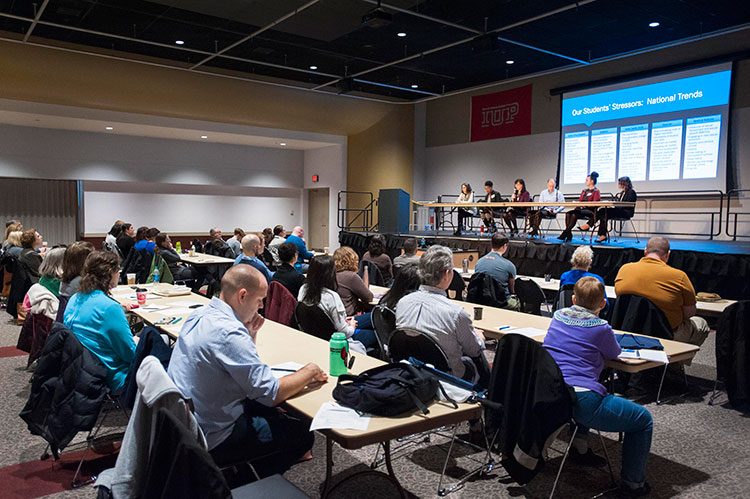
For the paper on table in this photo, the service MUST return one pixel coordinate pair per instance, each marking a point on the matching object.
(645, 354)
(529, 332)
(281, 370)
(183, 304)
(332, 415)
(152, 307)
(175, 311)
(149, 296)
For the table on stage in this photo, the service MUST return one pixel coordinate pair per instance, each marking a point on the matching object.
(205, 259)
(533, 205)
(278, 344)
(704, 308)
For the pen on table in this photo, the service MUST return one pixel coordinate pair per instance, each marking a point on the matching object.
(501, 328)
(283, 370)
(175, 320)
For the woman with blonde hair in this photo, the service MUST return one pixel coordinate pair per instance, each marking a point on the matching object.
(12, 244)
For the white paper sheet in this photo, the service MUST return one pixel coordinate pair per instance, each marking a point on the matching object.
(645, 354)
(149, 296)
(152, 307)
(332, 415)
(175, 311)
(529, 332)
(281, 370)
(183, 304)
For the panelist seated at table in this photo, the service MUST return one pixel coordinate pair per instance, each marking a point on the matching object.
(252, 248)
(466, 196)
(489, 215)
(590, 193)
(429, 311)
(580, 342)
(520, 195)
(668, 288)
(320, 290)
(98, 321)
(626, 195)
(548, 195)
(215, 364)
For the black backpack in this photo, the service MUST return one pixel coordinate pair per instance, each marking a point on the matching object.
(389, 390)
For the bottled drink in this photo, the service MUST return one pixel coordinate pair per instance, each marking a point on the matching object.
(156, 275)
(178, 247)
(423, 243)
(465, 265)
(339, 354)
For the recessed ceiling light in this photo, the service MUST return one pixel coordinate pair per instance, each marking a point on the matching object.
(654, 24)
(401, 34)
(109, 128)
(282, 143)
(313, 67)
(179, 42)
(510, 61)
(415, 86)
(204, 136)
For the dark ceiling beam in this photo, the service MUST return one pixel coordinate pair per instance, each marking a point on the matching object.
(35, 21)
(257, 32)
(459, 42)
(425, 16)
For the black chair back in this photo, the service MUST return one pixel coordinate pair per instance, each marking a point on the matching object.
(376, 277)
(564, 297)
(530, 294)
(639, 315)
(485, 290)
(733, 353)
(458, 286)
(404, 344)
(312, 320)
(384, 321)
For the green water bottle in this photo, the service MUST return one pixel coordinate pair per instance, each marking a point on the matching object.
(178, 247)
(339, 354)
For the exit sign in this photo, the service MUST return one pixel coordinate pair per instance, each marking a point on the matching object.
(315, 178)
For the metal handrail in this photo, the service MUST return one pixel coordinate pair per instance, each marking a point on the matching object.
(366, 213)
(734, 235)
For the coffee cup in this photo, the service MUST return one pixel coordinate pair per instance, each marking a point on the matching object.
(140, 294)
(478, 313)
(131, 278)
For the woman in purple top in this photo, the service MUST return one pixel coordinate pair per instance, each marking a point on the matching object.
(580, 342)
(520, 195)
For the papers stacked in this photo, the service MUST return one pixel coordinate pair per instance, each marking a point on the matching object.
(334, 416)
(644, 354)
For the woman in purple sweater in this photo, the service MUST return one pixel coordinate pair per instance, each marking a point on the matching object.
(580, 342)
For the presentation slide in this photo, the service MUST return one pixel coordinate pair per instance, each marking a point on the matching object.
(667, 132)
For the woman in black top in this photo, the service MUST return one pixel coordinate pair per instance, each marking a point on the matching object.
(126, 239)
(180, 271)
(626, 195)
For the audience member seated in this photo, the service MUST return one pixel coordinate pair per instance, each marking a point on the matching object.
(98, 321)
(252, 246)
(72, 267)
(297, 239)
(376, 254)
(126, 239)
(431, 312)
(279, 238)
(590, 193)
(405, 282)
(580, 342)
(142, 240)
(215, 244)
(235, 242)
(501, 269)
(43, 297)
(267, 256)
(353, 290)
(320, 290)
(581, 261)
(180, 271)
(520, 195)
(287, 275)
(409, 255)
(668, 288)
(12, 245)
(30, 258)
(110, 240)
(215, 364)
(13, 227)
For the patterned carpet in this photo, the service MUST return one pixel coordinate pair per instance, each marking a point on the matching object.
(698, 451)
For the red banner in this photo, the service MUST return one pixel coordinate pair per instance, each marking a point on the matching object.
(502, 114)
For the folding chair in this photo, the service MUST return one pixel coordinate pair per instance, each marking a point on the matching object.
(312, 320)
(384, 321)
(530, 294)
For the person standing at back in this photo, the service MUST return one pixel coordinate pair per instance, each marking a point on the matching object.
(501, 269)
(668, 288)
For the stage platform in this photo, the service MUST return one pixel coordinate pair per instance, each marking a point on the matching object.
(721, 267)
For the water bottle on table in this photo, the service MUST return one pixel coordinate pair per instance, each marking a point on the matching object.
(339, 354)
(156, 275)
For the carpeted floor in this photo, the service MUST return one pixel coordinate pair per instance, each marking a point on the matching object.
(698, 451)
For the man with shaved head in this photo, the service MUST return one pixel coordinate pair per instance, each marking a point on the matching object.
(297, 239)
(215, 364)
(669, 288)
(252, 246)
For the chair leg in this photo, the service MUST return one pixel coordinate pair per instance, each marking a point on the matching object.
(562, 463)
(714, 393)
(606, 456)
(634, 231)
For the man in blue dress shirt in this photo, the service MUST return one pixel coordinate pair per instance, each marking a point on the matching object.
(215, 363)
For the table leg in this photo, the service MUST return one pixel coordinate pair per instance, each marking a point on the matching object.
(661, 383)
(329, 467)
(389, 467)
